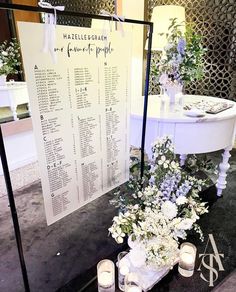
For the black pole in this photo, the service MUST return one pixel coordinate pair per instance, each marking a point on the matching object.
(146, 97)
(13, 212)
(67, 12)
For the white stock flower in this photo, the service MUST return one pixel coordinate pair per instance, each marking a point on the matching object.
(169, 209)
(153, 168)
(185, 224)
(178, 233)
(181, 200)
(162, 160)
(174, 164)
(166, 163)
(194, 216)
(118, 234)
(168, 46)
(140, 194)
(163, 79)
(117, 219)
(152, 179)
(4, 53)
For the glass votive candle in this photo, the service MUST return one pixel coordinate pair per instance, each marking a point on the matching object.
(106, 276)
(123, 269)
(187, 259)
(132, 283)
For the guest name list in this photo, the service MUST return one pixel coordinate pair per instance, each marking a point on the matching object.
(80, 111)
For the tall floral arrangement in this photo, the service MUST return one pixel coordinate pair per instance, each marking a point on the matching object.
(182, 61)
(9, 57)
(160, 211)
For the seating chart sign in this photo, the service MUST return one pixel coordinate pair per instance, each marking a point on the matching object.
(80, 110)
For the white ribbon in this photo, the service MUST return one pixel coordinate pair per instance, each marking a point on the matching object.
(50, 28)
(117, 17)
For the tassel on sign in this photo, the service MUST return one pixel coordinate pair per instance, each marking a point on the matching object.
(117, 17)
(50, 29)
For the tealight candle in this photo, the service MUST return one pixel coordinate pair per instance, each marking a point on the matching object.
(106, 276)
(123, 269)
(187, 259)
(105, 279)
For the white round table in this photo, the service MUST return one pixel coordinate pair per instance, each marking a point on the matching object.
(13, 94)
(190, 135)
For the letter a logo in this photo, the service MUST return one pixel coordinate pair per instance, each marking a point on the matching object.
(208, 262)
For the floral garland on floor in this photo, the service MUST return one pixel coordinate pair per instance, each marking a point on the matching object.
(156, 216)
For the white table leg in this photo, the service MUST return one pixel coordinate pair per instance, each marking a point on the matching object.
(13, 110)
(182, 159)
(29, 109)
(223, 167)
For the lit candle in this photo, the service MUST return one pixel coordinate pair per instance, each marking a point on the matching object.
(105, 279)
(106, 276)
(123, 269)
(187, 259)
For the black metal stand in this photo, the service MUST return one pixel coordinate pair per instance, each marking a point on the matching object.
(145, 106)
(2, 149)
(13, 212)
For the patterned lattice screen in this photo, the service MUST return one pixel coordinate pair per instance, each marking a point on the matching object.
(215, 20)
(86, 6)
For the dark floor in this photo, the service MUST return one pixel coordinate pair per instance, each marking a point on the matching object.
(57, 254)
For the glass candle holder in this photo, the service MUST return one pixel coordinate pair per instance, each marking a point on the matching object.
(106, 276)
(187, 259)
(132, 283)
(123, 269)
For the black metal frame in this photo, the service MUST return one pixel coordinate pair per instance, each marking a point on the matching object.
(2, 148)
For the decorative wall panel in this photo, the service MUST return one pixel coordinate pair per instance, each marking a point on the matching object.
(86, 6)
(215, 20)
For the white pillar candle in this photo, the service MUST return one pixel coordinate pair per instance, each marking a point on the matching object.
(187, 259)
(106, 276)
(123, 269)
(105, 279)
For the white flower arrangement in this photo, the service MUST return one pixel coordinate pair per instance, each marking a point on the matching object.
(183, 59)
(160, 211)
(9, 57)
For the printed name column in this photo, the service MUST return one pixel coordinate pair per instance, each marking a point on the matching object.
(88, 130)
(114, 119)
(57, 163)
